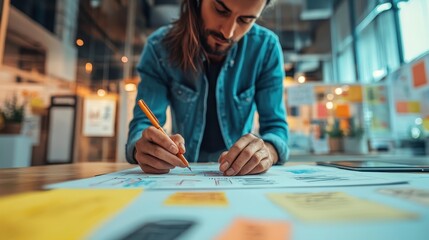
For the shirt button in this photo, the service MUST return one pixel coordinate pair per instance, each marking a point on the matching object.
(179, 92)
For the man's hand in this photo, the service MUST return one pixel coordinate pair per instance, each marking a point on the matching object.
(155, 152)
(249, 155)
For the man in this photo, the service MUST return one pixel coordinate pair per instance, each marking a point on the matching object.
(214, 67)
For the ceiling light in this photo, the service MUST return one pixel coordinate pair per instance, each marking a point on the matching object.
(301, 79)
(130, 87)
(338, 91)
(124, 59)
(101, 92)
(329, 105)
(88, 67)
(80, 42)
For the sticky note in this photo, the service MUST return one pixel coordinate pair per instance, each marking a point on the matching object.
(335, 206)
(414, 107)
(322, 111)
(419, 74)
(420, 196)
(342, 111)
(197, 199)
(353, 94)
(247, 229)
(426, 123)
(402, 107)
(408, 107)
(59, 214)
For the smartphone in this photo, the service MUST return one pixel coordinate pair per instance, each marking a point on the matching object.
(168, 229)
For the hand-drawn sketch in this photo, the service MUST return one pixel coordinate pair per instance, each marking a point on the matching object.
(209, 177)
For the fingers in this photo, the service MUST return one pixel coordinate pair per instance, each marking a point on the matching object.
(245, 157)
(156, 152)
(255, 162)
(155, 135)
(263, 166)
(180, 142)
(236, 149)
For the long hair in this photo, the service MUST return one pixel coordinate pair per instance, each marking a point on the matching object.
(184, 38)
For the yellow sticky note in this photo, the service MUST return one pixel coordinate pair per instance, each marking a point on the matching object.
(414, 107)
(245, 229)
(353, 94)
(426, 123)
(59, 214)
(335, 206)
(197, 199)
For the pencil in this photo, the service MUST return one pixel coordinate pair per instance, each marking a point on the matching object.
(152, 118)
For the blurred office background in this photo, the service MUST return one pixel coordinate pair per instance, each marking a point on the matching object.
(356, 75)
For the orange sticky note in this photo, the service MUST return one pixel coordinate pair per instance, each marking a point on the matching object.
(419, 74)
(197, 199)
(401, 107)
(247, 229)
(342, 111)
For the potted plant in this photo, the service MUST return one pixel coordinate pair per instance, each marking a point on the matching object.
(335, 137)
(12, 114)
(355, 141)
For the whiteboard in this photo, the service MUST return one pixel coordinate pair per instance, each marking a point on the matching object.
(60, 137)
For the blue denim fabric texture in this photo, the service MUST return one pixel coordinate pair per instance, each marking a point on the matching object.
(250, 80)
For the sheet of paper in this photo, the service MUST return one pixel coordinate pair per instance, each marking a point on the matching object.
(59, 214)
(247, 229)
(335, 206)
(420, 196)
(197, 199)
(209, 177)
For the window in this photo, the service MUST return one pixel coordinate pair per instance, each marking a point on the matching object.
(414, 22)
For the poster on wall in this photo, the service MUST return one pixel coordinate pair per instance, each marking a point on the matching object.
(376, 97)
(401, 79)
(99, 117)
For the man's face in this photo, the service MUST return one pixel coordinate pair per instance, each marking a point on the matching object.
(226, 21)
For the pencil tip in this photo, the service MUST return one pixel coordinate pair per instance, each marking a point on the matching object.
(190, 169)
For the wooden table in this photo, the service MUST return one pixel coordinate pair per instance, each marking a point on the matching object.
(17, 180)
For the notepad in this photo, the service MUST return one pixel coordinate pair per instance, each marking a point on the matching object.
(197, 199)
(59, 214)
(335, 206)
(245, 229)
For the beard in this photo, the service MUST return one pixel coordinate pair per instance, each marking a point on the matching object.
(216, 50)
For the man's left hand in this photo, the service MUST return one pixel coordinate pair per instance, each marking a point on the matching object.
(249, 155)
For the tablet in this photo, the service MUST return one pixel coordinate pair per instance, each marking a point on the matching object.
(376, 166)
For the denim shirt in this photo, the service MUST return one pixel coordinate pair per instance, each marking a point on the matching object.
(251, 79)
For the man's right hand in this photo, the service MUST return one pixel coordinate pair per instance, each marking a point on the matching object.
(155, 152)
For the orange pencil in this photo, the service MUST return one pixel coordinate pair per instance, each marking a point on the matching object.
(149, 114)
